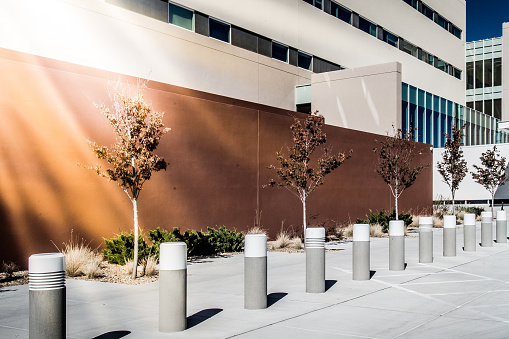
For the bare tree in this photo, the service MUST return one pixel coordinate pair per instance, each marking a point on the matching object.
(296, 172)
(491, 174)
(453, 166)
(131, 161)
(396, 155)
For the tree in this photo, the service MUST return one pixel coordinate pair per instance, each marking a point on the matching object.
(296, 172)
(491, 174)
(138, 130)
(453, 166)
(395, 162)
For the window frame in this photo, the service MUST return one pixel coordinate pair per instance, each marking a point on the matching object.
(221, 22)
(185, 8)
(278, 44)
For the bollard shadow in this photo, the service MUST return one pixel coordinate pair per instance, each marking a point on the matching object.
(273, 298)
(404, 266)
(371, 274)
(201, 316)
(113, 335)
(329, 284)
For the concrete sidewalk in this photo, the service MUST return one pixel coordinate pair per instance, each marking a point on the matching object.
(462, 296)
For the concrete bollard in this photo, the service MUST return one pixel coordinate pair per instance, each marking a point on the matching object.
(486, 229)
(425, 239)
(396, 245)
(449, 235)
(501, 227)
(469, 232)
(315, 260)
(47, 312)
(361, 252)
(255, 271)
(172, 287)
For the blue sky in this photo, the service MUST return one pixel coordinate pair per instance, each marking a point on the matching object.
(485, 18)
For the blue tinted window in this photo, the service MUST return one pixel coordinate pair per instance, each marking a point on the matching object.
(279, 52)
(404, 92)
(413, 95)
(429, 114)
(421, 98)
(456, 31)
(441, 21)
(219, 30)
(449, 108)
(304, 61)
(180, 16)
(390, 38)
(341, 13)
(443, 130)
(367, 26)
(420, 124)
(316, 3)
(436, 129)
(441, 65)
(436, 103)
(427, 11)
(429, 100)
(404, 116)
(443, 106)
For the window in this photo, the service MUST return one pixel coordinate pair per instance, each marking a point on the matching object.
(478, 74)
(427, 11)
(479, 105)
(412, 3)
(367, 26)
(390, 38)
(456, 73)
(341, 13)
(304, 61)
(456, 31)
(488, 107)
(441, 21)
(470, 75)
(497, 108)
(487, 73)
(219, 30)
(180, 16)
(408, 48)
(441, 65)
(497, 72)
(279, 52)
(316, 3)
(427, 58)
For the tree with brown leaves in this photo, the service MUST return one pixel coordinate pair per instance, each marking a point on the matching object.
(453, 166)
(491, 174)
(396, 155)
(296, 173)
(131, 160)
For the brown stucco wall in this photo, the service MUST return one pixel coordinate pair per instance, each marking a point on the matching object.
(219, 149)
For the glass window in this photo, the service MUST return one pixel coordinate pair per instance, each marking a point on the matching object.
(404, 91)
(497, 72)
(441, 65)
(470, 75)
(479, 106)
(488, 107)
(219, 30)
(478, 74)
(413, 95)
(180, 16)
(441, 21)
(429, 114)
(412, 3)
(456, 72)
(341, 13)
(497, 108)
(420, 124)
(487, 73)
(456, 31)
(409, 48)
(427, 11)
(420, 98)
(304, 61)
(427, 58)
(470, 104)
(316, 3)
(390, 38)
(367, 26)
(279, 52)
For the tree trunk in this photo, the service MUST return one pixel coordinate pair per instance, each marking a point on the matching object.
(304, 224)
(453, 205)
(492, 204)
(135, 259)
(396, 205)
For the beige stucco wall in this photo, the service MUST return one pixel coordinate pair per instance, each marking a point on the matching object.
(365, 99)
(505, 71)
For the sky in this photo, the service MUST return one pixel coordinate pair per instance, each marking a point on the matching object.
(485, 18)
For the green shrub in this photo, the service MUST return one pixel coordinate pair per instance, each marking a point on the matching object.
(120, 248)
(383, 217)
(224, 240)
(470, 209)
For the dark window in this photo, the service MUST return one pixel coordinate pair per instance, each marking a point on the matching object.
(456, 31)
(390, 38)
(180, 16)
(488, 107)
(479, 105)
(367, 26)
(478, 74)
(456, 73)
(497, 72)
(244, 39)
(412, 3)
(487, 73)
(341, 13)
(441, 65)
(279, 52)
(427, 11)
(316, 3)
(441, 21)
(408, 48)
(305, 61)
(303, 108)
(470, 75)
(497, 108)
(470, 104)
(219, 30)
(427, 58)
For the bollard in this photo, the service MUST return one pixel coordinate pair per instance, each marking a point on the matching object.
(486, 229)
(46, 277)
(469, 236)
(501, 227)
(172, 287)
(449, 235)
(255, 271)
(396, 245)
(315, 260)
(361, 252)
(425, 239)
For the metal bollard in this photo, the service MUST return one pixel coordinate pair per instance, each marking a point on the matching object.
(486, 229)
(172, 287)
(469, 236)
(361, 252)
(255, 271)
(47, 311)
(425, 239)
(501, 227)
(449, 235)
(315, 260)
(396, 245)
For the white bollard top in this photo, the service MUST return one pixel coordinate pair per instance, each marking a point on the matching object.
(46, 263)
(255, 246)
(172, 256)
(315, 237)
(486, 217)
(469, 219)
(501, 215)
(396, 228)
(361, 232)
(449, 221)
(425, 223)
